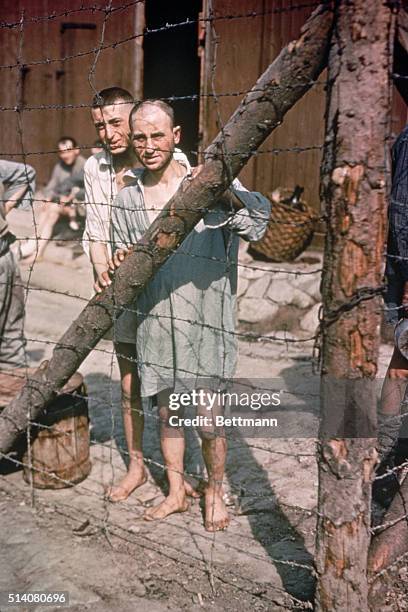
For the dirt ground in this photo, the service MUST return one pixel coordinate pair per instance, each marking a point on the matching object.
(105, 555)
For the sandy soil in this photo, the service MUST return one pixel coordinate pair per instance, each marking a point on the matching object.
(106, 556)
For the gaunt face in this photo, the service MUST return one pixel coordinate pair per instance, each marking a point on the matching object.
(112, 126)
(154, 137)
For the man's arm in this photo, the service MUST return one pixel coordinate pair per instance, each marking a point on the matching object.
(249, 211)
(120, 236)
(100, 263)
(19, 180)
(14, 199)
(246, 213)
(93, 241)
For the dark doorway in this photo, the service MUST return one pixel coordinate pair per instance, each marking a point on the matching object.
(172, 65)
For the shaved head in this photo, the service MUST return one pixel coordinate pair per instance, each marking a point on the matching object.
(163, 106)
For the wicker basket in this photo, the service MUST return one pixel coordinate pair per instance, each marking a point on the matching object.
(289, 231)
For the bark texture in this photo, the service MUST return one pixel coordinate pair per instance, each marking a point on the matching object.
(353, 192)
(262, 110)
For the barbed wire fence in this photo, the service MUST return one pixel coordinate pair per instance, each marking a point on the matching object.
(107, 519)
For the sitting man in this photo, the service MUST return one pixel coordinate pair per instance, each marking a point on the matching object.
(185, 316)
(62, 195)
(18, 181)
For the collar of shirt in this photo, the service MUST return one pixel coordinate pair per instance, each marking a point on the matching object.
(178, 156)
(105, 161)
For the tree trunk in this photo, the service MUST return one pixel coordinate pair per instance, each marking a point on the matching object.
(353, 191)
(261, 111)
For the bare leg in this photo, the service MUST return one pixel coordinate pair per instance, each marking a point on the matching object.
(72, 216)
(133, 422)
(214, 454)
(214, 448)
(172, 445)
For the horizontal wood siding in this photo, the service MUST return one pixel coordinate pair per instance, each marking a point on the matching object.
(63, 82)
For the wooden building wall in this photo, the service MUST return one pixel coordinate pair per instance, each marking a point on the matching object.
(63, 82)
(245, 36)
(237, 51)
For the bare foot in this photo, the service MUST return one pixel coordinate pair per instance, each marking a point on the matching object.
(191, 491)
(135, 477)
(172, 504)
(216, 514)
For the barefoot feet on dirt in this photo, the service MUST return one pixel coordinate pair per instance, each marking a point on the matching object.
(215, 514)
(175, 502)
(135, 477)
(192, 491)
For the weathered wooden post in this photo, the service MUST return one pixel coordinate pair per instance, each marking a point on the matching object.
(353, 193)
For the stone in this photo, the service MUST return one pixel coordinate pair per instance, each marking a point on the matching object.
(243, 284)
(281, 292)
(310, 321)
(259, 287)
(310, 284)
(249, 272)
(251, 310)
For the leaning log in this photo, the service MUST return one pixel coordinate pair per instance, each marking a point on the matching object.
(353, 192)
(261, 111)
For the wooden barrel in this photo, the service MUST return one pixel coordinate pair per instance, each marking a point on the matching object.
(59, 447)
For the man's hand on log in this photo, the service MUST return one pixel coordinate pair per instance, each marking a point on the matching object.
(195, 171)
(103, 280)
(117, 259)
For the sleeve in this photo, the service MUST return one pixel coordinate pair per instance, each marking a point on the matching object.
(14, 175)
(78, 184)
(398, 209)
(250, 222)
(94, 227)
(182, 158)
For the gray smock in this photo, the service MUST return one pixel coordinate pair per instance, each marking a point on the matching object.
(183, 321)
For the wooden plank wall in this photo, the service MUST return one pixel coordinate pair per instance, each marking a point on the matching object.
(237, 51)
(62, 82)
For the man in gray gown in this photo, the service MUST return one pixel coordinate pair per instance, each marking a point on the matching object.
(185, 330)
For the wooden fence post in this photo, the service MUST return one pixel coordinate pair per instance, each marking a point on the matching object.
(353, 193)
